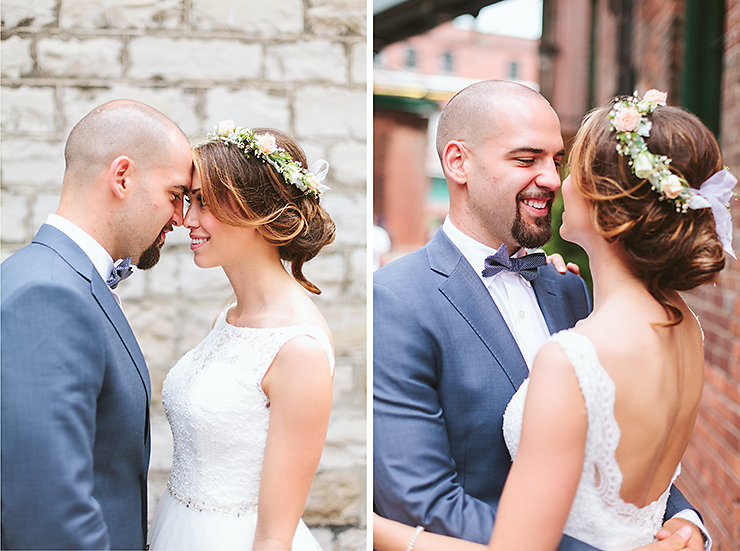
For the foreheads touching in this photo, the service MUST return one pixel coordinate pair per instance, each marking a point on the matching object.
(124, 128)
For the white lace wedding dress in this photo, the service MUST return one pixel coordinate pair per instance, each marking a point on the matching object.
(599, 516)
(219, 416)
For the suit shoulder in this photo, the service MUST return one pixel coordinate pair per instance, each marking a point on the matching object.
(568, 280)
(400, 269)
(37, 266)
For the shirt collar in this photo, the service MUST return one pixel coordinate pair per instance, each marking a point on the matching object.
(474, 251)
(96, 253)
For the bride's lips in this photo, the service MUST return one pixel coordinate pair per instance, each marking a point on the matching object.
(196, 242)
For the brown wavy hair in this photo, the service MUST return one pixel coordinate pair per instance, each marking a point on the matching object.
(247, 192)
(665, 249)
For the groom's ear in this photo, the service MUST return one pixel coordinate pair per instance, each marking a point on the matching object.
(120, 174)
(454, 156)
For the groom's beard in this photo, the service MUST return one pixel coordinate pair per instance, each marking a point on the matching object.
(150, 256)
(532, 236)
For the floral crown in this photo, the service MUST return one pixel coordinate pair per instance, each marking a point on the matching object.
(629, 119)
(264, 147)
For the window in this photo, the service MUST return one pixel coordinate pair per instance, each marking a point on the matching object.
(447, 64)
(513, 70)
(410, 58)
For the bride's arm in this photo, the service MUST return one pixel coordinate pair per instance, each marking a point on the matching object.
(389, 535)
(542, 483)
(298, 385)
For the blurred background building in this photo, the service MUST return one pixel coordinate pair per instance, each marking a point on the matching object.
(587, 52)
(295, 65)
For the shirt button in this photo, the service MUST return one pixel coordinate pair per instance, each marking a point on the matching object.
(521, 314)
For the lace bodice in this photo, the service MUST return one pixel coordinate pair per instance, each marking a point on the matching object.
(219, 414)
(598, 516)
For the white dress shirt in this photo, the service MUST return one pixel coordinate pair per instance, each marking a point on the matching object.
(95, 252)
(518, 305)
(512, 294)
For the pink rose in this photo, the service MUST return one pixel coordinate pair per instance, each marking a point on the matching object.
(627, 119)
(312, 181)
(671, 187)
(266, 143)
(655, 97)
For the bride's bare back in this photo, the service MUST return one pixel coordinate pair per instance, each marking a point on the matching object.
(658, 375)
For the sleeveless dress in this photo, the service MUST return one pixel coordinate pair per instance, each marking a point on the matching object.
(598, 516)
(219, 415)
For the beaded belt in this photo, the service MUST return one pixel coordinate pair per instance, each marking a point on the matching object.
(202, 506)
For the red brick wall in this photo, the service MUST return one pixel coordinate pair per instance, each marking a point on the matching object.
(711, 466)
(605, 84)
(657, 40)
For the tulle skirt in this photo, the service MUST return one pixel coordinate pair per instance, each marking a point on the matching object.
(177, 527)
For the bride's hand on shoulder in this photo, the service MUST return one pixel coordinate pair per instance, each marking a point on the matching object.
(683, 538)
(556, 259)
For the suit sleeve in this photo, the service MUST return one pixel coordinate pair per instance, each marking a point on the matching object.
(415, 478)
(677, 503)
(52, 373)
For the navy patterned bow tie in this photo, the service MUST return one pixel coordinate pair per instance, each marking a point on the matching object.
(525, 266)
(119, 273)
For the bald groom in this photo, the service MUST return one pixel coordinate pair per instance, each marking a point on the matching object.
(75, 387)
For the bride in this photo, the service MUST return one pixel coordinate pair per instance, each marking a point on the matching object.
(249, 406)
(601, 425)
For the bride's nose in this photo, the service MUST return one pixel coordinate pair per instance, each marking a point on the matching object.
(190, 220)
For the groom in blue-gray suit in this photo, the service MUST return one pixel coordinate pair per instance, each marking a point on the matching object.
(454, 333)
(75, 387)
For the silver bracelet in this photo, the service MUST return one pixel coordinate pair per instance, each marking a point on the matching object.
(412, 541)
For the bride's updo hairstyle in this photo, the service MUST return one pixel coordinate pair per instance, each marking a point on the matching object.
(666, 249)
(249, 192)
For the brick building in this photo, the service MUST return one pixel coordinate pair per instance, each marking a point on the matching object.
(690, 49)
(293, 65)
(458, 49)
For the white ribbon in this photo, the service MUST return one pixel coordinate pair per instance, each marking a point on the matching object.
(320, 168)
(715, 193)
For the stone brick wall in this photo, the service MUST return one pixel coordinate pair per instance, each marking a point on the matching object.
(297, 65)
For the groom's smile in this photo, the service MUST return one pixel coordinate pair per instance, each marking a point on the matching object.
(531, 227)
(537, 206)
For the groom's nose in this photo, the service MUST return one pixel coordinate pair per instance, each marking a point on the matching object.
(549, 177)
(177, 216)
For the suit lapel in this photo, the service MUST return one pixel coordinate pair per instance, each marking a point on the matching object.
(467, 294)
(113, 312)
(79, 261)
(549, 299)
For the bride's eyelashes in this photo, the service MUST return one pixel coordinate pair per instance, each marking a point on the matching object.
(198, 197)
